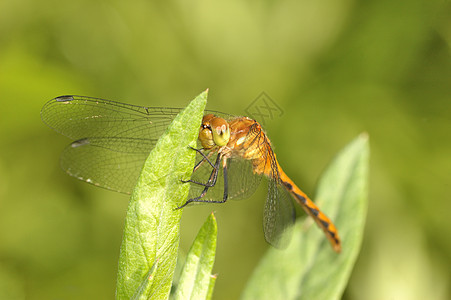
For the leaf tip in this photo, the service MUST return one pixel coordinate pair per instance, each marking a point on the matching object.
(212, 220)
(364, 136)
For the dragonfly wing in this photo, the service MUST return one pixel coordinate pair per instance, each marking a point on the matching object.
(279, 214)
(114, 164)
(79, 117)
(242, 180)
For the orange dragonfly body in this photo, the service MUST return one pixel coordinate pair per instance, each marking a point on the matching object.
(113, 139)
(243, 137)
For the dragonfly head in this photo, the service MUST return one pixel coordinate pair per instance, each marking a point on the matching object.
(214, 131)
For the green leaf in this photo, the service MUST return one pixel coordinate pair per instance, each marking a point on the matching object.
(151, 234)
(196, 281)
(211, 286)
(309, 268)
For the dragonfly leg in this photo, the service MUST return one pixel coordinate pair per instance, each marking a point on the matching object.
(226, 181)
(204, 158)
(208, 184)
(211, 182)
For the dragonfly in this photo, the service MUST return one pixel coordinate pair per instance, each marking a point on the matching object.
(111, 141)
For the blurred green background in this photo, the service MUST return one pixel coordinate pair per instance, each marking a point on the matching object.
(336, 68)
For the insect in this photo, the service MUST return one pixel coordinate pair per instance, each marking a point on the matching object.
(113, 140)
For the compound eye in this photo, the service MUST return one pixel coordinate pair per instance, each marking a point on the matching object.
(220, 130)
(205, 132)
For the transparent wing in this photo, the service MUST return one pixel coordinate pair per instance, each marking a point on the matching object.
(114, 164)
(279, 213)
(242, 180)
(80, 117)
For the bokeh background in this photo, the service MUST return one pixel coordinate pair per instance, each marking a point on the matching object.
(335, 68)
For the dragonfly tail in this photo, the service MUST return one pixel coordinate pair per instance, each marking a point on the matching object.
(311, 209)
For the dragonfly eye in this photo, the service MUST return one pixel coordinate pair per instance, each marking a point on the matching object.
(205, 134)
(220, 131)
(214, 132)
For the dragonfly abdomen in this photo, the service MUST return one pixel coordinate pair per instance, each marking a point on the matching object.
(311, 209)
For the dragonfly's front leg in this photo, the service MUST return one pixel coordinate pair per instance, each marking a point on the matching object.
(211, 183)
(204, 158)
(226, 182)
